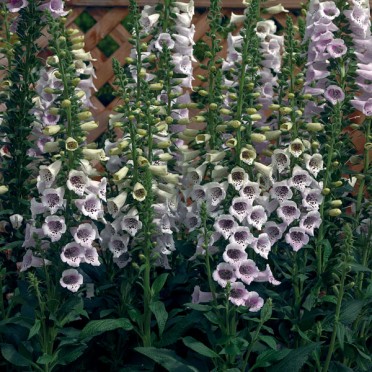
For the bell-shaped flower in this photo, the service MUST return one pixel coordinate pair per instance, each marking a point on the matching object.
(131, 223)
(239, 208)
(90, 206)
(257, 216)
(192, 221)
(164, 39)
(334, 94)
(16, 5)
(238, 294)
(85, 234)
(225, 225)
(328, 10)
(55, 7)
(314, 163)
(248, 155)
(281, 191)
(52, 199)
(72, 254)
(115, 204)
(122, 260)
(139, 192)
(224, 273)
(296, 147)
(363, 106)
(37, 208)
(234, 253)
(16, 221)
(262, 245)
(310, 221)
(54, 227)
(274, 231)
(71, 279)
(250, 191)
(77, 181)
(300, 179)
(266, 276)
(337, 48)
(312, 198)
(47, 175)
(199, 296)
(216, 192)
(195, 175)
(198, 193)
(280, 160)
(264, 170)
(288, 212)
(246, 271)
(253, 301)
(296, 238)
(238, 178)
(118, 244)
(241, 236)
(165, 243)
(184, 19)
(91, 256)
(29, 260)
(149, 21)
(98, 188)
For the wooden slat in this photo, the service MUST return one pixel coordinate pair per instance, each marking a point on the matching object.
(289, 4)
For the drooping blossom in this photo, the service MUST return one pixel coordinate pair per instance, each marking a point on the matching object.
(71, 279)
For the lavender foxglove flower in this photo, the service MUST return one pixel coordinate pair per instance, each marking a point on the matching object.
(85, 234)
(310, 221)
(246, 271)
(238, 178)
(234, 253)
(55, 7)
(288, 212)
(262, 245)
(91, 256)
(281, 191)
(240, 208)
(300, 179)
(90, 206)
(52, 199)
(29, 260)
(250, 191)
(253, 301)
(72, 254)
(266, 276)
(238, 294)
(225, 225)
(54, 227)
(71, 279)
(312, 198)
(334, 94)
(224, 273)
(123, 260)
(16, 5)
(274, 231)
(296, 238)
(257, 216)
(241, 236)
(199, 296)
(131, 223)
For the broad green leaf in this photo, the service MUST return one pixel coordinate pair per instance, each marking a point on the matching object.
(357, 268)
(269, 341)
(13, 356)
(340, 332)
(68, 353)
(327, 250)
(198, 307)
(45, 359)
(167, 359)
(96, 327)
(199, 347)
(268, 357)
(350, 311)
(266, 311)
(159, 283)
(35, 329)
(161, 315)
(295, 359)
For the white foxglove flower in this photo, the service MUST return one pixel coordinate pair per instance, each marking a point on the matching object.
(91, 256)
(300, 179)
(225, 225)
(257, 216)
(312, 198)
(216, 192)
(262, 245)
(16, 221)
(77, 182)
(241, 236)
(165, 243)
(118, 244)
(310, 221)
(71, 279)
(264, 170)
(47, 175)
(98, 188)
(328, 10)
(238, 294)
(219, 173)
(195, 175)
(266, 276)
(131, 223)
(199, 296)
(296, 238)
(254, 302)
(224, 273)
(52, 199)
(123, 260)
(251, 191)
(192, 221)
(281, 160)
(238, 178)
(296, 147)
(274, 231)
(184, 19)
(234, 253)
(248, 155)
(314, 163)
(139, 192)
(239, 208)
(85, 234)
(288, 212)
(91, 206)
(54, 227)
(281, 191)
(114, 205)
(37, 208)
(246, 271)
(198, 193)
(164, 39)
(29, 260)
(72, 254)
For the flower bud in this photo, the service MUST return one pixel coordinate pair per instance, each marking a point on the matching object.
(88, 126)
(142, 161)
(71, 144)
(52, 61)
(221, 128)
(225, 111)
(203, 93)
(314, 127)
(273, 135)
(199, 119)
(334, 212)
(231, 143)
(202, 138)
(163, 144)
(3, 189)
(51, 147)
(326, 191)
(66, 103)
(142, 132)
(337, 183)
(285, 127)
(276, 9)
(165, 157)
(258, 137)
(158, 170)
(354, 126)
(94, 154)
(274, 107)
(51, 130)
(123, 144)
(255, 117)
(156, 86)
(139, 192)
(84, 115)
(214, 156)
(54, 110)
(16, 221)
(285, 110)
(291, 95)
(234, 123)
(368, 146)
(315, 145)
(115, 151)
(336, 203)
(120, 174)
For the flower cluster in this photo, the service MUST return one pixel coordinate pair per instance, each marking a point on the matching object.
(55, 7)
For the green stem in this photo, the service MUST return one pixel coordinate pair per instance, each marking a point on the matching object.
(250, 347)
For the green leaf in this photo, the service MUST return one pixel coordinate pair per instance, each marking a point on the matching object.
(295, 359)
(199, 347)
(269, 341)
(358, 268)
(35, 329)
(96, 327)
(327, 250)
(161, 315)
(340, 332)
(167, 359)
(350, 311)
(198, 307)
(45, 359)
(69, 353)
(266, 311)
(266, 358)
(13, 356)
(158, 284)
